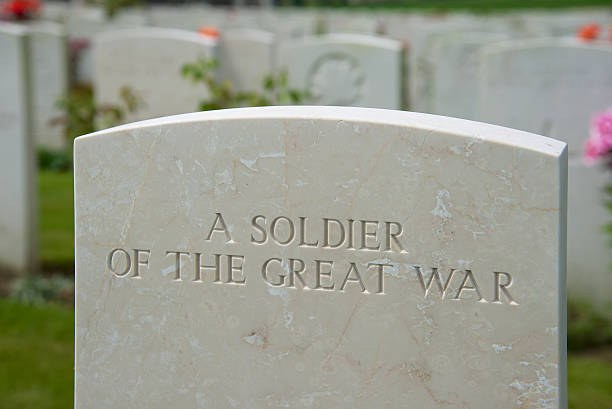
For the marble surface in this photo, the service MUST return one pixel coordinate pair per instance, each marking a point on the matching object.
(336, 231)
(553, 87)
(17, 161)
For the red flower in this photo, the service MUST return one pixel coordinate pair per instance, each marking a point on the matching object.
(21, 9)
(589, 32)
(209, 31)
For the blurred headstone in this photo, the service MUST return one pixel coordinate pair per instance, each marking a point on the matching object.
(246, 57)
(49, 69)
(18, 226)
(345, 69)
(149, 62)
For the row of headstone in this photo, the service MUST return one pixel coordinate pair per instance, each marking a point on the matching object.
(84, 23)
(17, 176)
(319, 257)
(350, 70)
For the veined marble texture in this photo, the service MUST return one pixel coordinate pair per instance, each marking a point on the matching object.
(319, 257)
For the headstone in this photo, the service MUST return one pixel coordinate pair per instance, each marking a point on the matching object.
(319, 257)
(246, 57)
(547, 86)
(553, 87)
(17, 177)
(345, 69)
(456, 62)
(149, 62)
(85, 23)
(49, 62)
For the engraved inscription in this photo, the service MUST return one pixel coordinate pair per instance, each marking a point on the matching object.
(332, 274)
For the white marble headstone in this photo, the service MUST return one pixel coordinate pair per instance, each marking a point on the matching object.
(323, 257)
(553, 87)
(17, 161)
(49, 82)
(246, 57)
(455, 72)
(149, 62)
(346, 69)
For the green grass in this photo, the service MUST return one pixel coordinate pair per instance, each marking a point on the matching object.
(56, 219)
(36, 361)
(590, 383)
(36, 356)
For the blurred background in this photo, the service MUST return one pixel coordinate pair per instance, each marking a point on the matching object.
(71, 68)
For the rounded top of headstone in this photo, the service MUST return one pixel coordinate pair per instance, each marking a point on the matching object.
(435, 123)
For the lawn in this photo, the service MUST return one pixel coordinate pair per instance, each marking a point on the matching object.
(36, 352)
(56, 233)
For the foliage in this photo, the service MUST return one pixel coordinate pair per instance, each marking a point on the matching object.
(586, 327)
(112, 7)
(40, 289)
(56, 221)
(276, 90)
(54, 160)
(82, 115)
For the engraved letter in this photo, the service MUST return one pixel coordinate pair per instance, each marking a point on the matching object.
(349, 240)
(264, 273)
(381, 281)
(138, 262)
(296, 272)
(503, 288)
(320, 273)
(260, 228)
(178, 254)
(231, 269)
(357, 279)
(326, 242)
(223, 228)
(463, 286)
(273, 230)
(128, 263)
(393, 236)
(199, 267)
(435, 276)
(303, 241)
(365, 234)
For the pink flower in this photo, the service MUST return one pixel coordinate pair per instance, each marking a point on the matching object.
(602, 127)
(592, 151)
(599, 143)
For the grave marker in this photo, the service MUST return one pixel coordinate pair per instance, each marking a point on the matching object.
(17, 177)
(149, 61)
(319, 257)
(49, 65)
(346, 69)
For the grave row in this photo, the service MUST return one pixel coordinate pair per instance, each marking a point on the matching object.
(486, 76)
